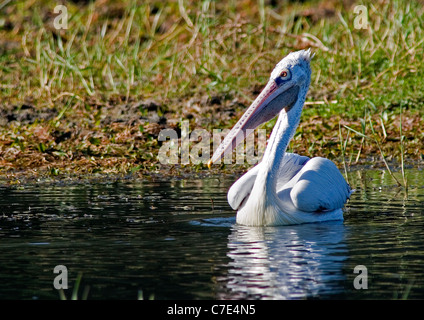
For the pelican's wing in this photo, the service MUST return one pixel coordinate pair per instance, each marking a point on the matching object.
(290, 165)
(239, 192)
(319, 186)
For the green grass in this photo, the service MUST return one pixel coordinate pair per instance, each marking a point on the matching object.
(180, 49)
(117, 52)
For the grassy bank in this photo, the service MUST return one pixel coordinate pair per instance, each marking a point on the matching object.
(94, 97)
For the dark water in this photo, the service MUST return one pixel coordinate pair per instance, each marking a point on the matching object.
(179, 240)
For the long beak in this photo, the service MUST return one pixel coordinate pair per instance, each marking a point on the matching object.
(265, 107)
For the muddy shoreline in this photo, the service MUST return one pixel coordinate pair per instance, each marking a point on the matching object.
(23, 178)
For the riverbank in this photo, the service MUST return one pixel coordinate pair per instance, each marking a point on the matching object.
(92, 99)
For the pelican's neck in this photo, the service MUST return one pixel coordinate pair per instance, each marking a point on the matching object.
(281, 135)
(264, 207)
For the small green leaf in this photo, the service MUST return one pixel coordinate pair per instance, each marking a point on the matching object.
(41, 147)
(95, 141)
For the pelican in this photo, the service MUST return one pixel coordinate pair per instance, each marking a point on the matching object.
(284, 188)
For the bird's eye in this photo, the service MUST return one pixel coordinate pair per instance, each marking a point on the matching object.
(285, 74)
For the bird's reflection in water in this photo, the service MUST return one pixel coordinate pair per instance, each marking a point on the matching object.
(291, 262)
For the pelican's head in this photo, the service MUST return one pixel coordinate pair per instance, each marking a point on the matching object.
(285, 91)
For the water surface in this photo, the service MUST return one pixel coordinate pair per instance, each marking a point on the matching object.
(178, 240)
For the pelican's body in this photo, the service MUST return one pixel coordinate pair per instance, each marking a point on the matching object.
(284, 188)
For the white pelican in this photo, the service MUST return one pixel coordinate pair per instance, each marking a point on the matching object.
(284, 188)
